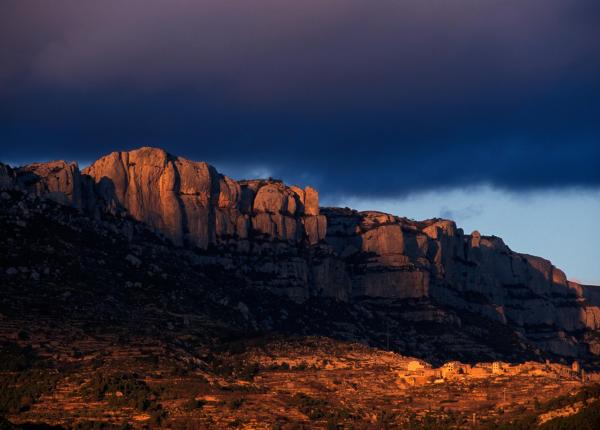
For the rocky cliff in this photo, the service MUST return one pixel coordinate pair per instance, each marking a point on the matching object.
(278, 238)
(393, 257)
(194, 204)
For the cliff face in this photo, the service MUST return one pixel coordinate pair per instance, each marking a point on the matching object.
(194, 204)
(277, 237)
(392, 257)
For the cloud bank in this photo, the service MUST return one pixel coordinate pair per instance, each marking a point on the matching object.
(356, 97)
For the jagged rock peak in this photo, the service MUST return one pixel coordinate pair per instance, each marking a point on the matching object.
(192, 202)
(189, 201)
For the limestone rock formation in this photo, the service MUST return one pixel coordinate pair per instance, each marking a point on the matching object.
(278, 237)
(396, 258)
(192, 203)
(57, 180)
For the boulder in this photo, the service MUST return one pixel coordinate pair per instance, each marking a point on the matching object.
(270, 199)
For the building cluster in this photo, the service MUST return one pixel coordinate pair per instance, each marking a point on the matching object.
(418, 372)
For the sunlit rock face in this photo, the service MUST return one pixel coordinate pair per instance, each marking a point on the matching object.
(396, 258)
(192, 203)
(277, 236)
(257, 222)
(177, 197)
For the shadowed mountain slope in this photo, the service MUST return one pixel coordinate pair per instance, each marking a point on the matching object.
(278, 262)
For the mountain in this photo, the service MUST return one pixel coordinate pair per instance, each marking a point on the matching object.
(269, 252)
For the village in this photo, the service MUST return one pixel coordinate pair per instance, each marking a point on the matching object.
(418, 372)
(311, 380)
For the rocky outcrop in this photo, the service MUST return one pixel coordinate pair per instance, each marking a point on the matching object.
(386, 257)
(194, 204)
(396, 258)
(278, 238)
(56, 180)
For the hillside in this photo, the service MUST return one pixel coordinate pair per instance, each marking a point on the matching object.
(277, 238)
(200, 298)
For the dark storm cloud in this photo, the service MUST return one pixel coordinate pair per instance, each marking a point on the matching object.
(357, 97)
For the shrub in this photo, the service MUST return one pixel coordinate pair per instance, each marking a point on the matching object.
(19, 391)
(236, 403)
(121, 390)
(302, 366)
(586, 419)
(193, 404)
(313, 408)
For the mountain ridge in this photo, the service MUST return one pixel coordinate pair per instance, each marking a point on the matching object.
(278, 238)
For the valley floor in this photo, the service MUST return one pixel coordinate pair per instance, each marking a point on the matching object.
(105, 381)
